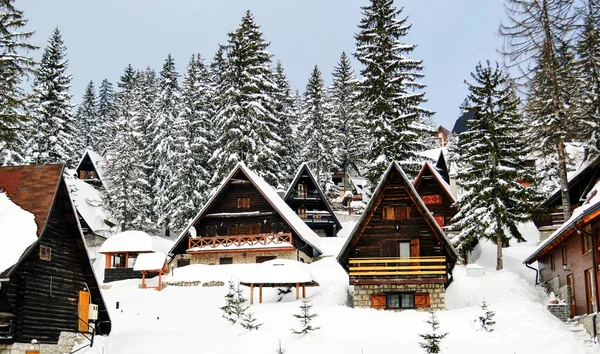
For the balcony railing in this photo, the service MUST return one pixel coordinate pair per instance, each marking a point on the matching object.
(413, 266)
(307, 195)
(212, 242)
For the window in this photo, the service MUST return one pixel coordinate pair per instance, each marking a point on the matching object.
(552, 267)
(302, 191)
(564, 254)
(45, 253)
(226, 260)
(396, 213)
(233, 230)
(388, 213)
(244, 203)
(404, 249)
(587, 239)
(182, 262)
(432, 199)
(211, 230)
(118, 260)
(302, 213)
(400, 301)
(5, 328)
(589, 291)
(316, 214)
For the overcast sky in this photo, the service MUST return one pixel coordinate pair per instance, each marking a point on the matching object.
(102, 37)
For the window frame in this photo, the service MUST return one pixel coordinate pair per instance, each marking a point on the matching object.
(45, 253)
(120, 256)
(564, 254)
(400, 302)
(552, 265)
(586, 240)
(243, 203)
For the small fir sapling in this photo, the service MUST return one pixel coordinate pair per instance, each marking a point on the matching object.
(238, 307)
(227, 309)
(280, 350)
(305, 318)
(431, 340)
(249, 321)
(486, 319)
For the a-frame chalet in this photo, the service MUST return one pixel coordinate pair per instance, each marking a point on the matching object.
(436, 194)
(245, 221)
(91, 168)
(306, 199)
(397, 256)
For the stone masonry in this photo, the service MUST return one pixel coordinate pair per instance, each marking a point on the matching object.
(437, 293)
(241, 257)
(65, 344)
(561, 311)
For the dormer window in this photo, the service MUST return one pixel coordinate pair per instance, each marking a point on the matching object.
(244, 203)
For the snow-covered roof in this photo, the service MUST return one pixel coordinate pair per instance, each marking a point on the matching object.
(294, 221)
(278, 271)
(590, 206)
(432, 154)
(150, 261)
(89, 204)
(18, 231)
(438, 177)
(128, 241)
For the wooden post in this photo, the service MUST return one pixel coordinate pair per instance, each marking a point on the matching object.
(260, 294)
(297, 291)
(143, 279)
(108, 256)
(126, 260)
(251, 293)
(304, 291)
(159, 280)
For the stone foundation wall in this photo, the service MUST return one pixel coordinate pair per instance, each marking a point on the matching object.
(547, 231)
(241, 257)
(65, 344)
(437, 293)
(587, 321)
(562, 312)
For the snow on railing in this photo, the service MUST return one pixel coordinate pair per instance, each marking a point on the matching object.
(240, 240)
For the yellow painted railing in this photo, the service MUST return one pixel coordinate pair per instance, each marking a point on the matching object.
(208, 242)
(367, 267)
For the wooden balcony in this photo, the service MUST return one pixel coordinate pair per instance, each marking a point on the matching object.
(393, 267)
(206, 243)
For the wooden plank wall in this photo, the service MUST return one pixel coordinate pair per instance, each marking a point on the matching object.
(429, 186)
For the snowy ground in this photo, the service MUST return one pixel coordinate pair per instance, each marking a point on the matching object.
(188, 319)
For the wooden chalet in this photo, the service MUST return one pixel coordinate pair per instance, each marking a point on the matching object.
(91, 168)
(435, 193)
(441, 136)
(569, 259)
(397, 256)
(121, 252)
(306, 199)
(51, 289)
(580, 183)
(245, 221)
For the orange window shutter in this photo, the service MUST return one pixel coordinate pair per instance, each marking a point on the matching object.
(378, 301)
(415, 247)
(83, 311)
(422, 300)
(388, 213)
(439, 219)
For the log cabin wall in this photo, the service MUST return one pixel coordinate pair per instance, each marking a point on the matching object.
(555, 277)
(44, 294)
(428, 187)
(380, 237)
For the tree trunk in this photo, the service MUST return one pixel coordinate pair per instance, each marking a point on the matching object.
(564, 182)
(499, 265)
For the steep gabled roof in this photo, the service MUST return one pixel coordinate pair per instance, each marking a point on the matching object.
(290, 190)
(461, 123)
(288, 215)
(100, 163)
(587, 170)
(374, 202)
(429, 168)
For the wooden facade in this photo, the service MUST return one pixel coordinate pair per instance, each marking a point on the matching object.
(40, 296)
(436, 195)
(398, 247)
(245, 216)
(568, 261)
(307, 199)
(90, 168)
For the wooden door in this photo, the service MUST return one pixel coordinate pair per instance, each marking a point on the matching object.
(83, 311)
(571, 290)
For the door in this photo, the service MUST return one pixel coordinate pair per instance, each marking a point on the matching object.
(589, 291)
(83, 311)
(571, 290)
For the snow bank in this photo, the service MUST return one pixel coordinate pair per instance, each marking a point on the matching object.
(18, 231)
(150, 261)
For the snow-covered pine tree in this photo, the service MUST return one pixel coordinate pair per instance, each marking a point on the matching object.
(106, 116)
(536, 31)
(492, 153)
(163, 146)
(486, 318)
(192, 134)
(239, 307)
(227, 309)
(15, 66)
(344, 112)
(246, 123)
(432, 340)
(389, 91)
(249, 321)
(587, 67)
(125, 174)
(319, 151)
(55, 134)
(86, 119)
(280, 349)
(287, 127)
(306, 317)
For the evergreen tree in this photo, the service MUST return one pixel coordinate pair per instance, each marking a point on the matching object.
(305, 318)
(163, 142)
(280, 350)
(344, 112)
(87, 119)
(492, 153)
(249, 322)
(486, 319)
(14, 67)
(287, 117)
(106, 116)
(227, 309)
(193, 146)
(55, 129)
(246, 123)
(392, 105)
(318, 152)
(239, 307)
(432, 340)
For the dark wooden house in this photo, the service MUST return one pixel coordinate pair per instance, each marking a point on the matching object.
(435, 193)
(245, 221)
(121, 251)
(306, 199)
(569, 259)
(51, 288)
(91, 168)
(397, 256)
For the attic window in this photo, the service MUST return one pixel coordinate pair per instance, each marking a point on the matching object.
(45, 253)
(244, 203)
